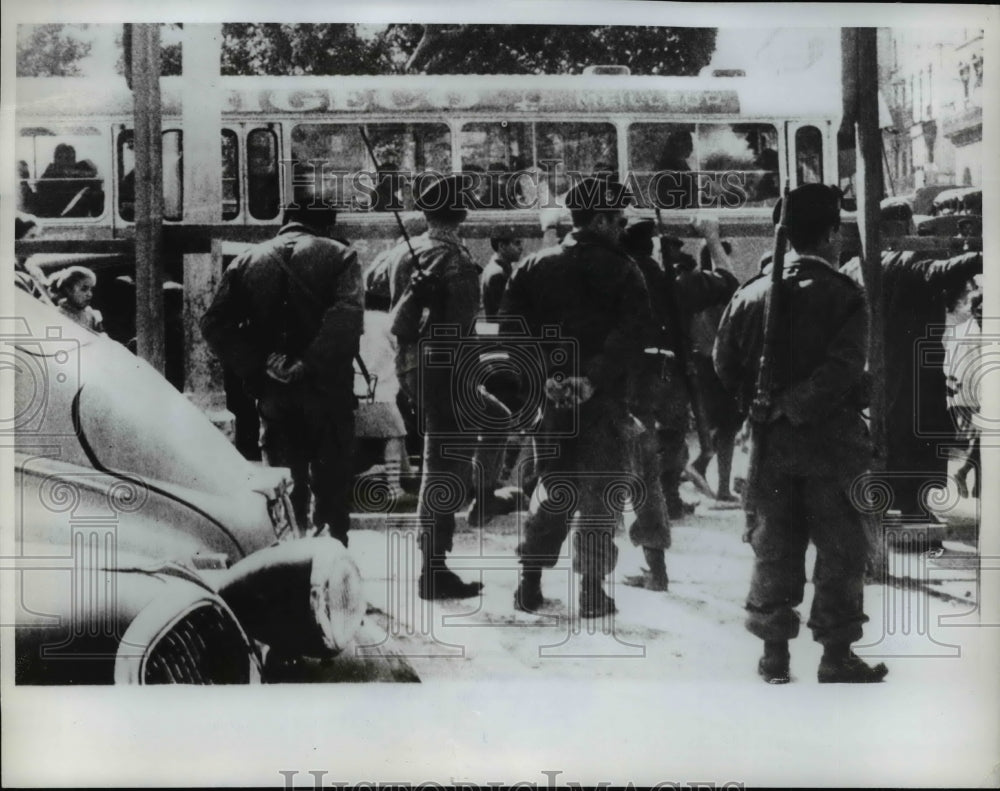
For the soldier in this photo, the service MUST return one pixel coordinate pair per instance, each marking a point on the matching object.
(443, 291)
(596, 295)
(648, 396)
(693, 290)
(816, 442)
(501, 385)
(287, 319)
(914, 295)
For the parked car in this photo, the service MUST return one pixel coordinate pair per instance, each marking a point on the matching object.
(149, 550)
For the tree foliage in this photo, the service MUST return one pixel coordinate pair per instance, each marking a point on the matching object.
(50, 50)
(277, 49)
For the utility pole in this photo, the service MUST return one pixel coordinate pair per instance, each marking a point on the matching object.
(202, 117)
(860, 53)
(145, 78)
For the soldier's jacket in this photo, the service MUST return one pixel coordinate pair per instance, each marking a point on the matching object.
(456, 302)
(819, 367)
(258, 309)
(913, 288)
(596, 295)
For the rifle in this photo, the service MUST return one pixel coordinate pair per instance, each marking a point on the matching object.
(682, 351)
(412, 311)
(760, 408)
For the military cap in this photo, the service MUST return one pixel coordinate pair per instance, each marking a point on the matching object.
(598, 194)
(442, 195)
(638, 233)
(809, 205)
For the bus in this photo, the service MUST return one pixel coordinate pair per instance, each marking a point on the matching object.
(723, 144)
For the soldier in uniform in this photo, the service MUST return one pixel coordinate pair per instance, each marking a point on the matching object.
(287, 319)
(816, 442)
(915, 287)
(649, 401)
(596, 295)
(694, 290)
(441, 290)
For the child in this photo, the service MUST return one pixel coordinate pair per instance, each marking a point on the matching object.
(73, 288)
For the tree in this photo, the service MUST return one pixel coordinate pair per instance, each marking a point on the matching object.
(170, 51)
(277, 49)
(461, 49)
(549, 49)
(50, 50)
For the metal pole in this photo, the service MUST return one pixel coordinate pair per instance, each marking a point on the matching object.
(148, 194)
(863, 51)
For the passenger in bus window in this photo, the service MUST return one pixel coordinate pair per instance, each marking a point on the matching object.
(388, 183)
(676, 187)
(69, 188)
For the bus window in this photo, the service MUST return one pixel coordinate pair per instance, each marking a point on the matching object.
(331, 154)
(687, 166)
(499, 150)
(809, 155)
(172, 163)
(263, 190)
(173, 174)
(230, 175)
(582, 149)
(741, 161)
(662, 158)
(57, 176)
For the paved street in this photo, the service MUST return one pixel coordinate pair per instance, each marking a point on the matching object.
(693, 633)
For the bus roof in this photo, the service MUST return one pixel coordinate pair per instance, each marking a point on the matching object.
(77, 97)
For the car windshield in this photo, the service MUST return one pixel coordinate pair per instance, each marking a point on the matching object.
(137, 423)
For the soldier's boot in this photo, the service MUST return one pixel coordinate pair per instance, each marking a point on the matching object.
(840, 665)
(437, 581)
(594, 602)
(655, 577)
(773, 665)
(528, 596)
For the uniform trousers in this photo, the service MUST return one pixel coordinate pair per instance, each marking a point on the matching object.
(793, 509)
(580, 487)
(311, 432)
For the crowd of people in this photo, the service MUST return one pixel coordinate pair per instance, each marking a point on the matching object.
(633, 350)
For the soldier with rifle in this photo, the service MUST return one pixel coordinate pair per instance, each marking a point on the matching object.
(684, 292)
(792, 346)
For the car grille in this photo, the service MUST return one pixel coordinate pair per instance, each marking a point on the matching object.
(206, 646)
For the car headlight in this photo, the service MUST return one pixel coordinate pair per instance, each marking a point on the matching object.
(301, 598)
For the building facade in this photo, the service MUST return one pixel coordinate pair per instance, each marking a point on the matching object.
(932, 82)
